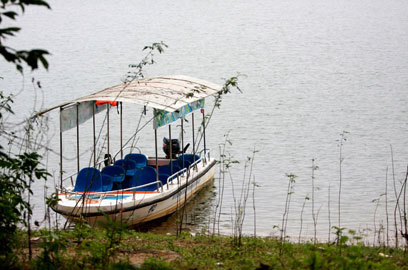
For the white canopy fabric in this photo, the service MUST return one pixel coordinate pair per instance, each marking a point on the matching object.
(169, 93)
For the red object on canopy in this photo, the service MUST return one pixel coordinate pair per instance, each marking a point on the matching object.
(101, 102)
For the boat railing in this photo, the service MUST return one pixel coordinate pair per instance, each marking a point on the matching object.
(206, 155)
(204, 159)
(103, 194)
(128, 147)
(70, 177)
(194, 165)
(176, 175)
(98, 164)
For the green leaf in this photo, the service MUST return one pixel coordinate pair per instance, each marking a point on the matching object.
(9, 31)
(44, 61)
(10, 14)
(39, 3)
(344, 239)
(33, 57)
(19, 68)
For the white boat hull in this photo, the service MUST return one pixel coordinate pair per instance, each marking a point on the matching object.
(134, 207)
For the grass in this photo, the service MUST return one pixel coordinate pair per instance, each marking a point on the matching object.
(88, 248)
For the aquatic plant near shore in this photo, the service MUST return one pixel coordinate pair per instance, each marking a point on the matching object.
(301, 216)
(341, 141)
(377, 202)
(314, 215)
(224, 164)
(386, 204)
(226, 161)
(290, 190)
(403, 215)
(328, 214)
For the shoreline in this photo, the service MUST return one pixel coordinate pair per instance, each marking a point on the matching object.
(114, 246)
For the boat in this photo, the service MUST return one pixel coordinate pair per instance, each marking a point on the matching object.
(131, 186)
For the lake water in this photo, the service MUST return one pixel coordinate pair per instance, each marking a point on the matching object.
(313, 69)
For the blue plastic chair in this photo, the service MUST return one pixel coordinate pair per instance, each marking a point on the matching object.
(166, 169)
(163, 178)
(144, 176)
(128, 182)
(107, 182)
(128, 165)
(175, 164)
(88, 180)
(116, 172)
(188, 160)
(140, 159)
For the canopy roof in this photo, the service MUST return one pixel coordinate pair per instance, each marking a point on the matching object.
(169, 93)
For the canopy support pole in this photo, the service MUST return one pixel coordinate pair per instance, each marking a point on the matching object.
(107, 132)
(192, 122)
(121, 130)
(187, 172)
(171, 154)
(77, 134)
(205, 146)
(157, 159)
(94, 137)
(61, 172)
(182, 139)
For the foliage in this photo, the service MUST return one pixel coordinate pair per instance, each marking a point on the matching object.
(113, 230)
(18, 171)
(341, 238)
(341, 142)
(136, 71)
(226, 162)
(17, 174)
(290, 190)
(229, 84)
(155, 264)
(5, 106)
(53, 245)
(59, 249)
(33, 57)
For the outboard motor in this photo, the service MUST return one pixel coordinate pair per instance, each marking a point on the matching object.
(107, 160)
(175, 148)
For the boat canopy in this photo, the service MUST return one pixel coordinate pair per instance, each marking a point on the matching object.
(168, 93)
(175, 95)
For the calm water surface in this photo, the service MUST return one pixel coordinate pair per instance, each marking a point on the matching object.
(313, 69)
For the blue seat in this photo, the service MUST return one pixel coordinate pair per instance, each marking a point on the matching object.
(88, 180)
(143, 176)
(163, 178)
(188, 160)
(140, 159)
(107, 182)
(128, 165)
(167, 169)
(175, 164)
(127, 183)
(116, 172)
